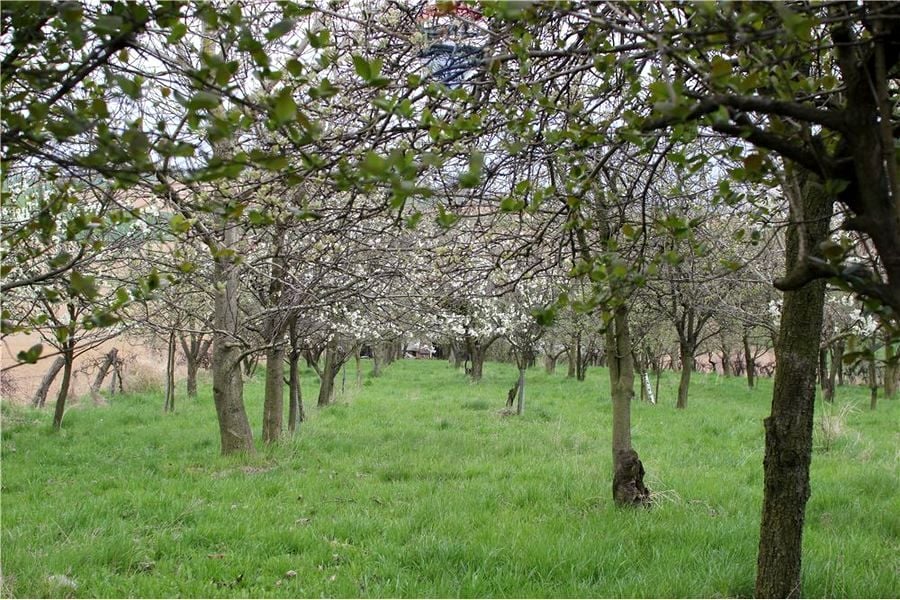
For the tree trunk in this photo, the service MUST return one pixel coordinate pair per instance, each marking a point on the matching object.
(789, 428)
(295, 397)
(273, 403)
(68, 356)
(477, 369)
(749, 362)
(825, 381)
(108, 361)
(573, 361)
(890, 368)
(376, 360)
(192, 367)
(459, 355)
(838, 361)
(40, 396)
(550, 364)
(194, 349)
(228, 385)
(169, 405)
(873, 385)
(358, 359)
(828, 394)
(686, 352)
(628, 472)
(726, 362)
(520, 406)
(329, 372)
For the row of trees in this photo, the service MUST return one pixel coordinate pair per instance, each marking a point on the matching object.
(309, 178)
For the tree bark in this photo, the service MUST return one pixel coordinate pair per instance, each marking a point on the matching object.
(520, 406)
(890, 367)
(828, 394)
(295, 397)
(572, 355)
(40, 396)
(873, 385)
(727, 371)
(273, 403)
(825, 381)
(749, 362)
(329, 372)
(789, 428)
(108, 361)
(550, 364)
(194, 348)
(169, 405)
(686, 352)
(68, 356)
(628, 472)
(477, 369)
(228, 385)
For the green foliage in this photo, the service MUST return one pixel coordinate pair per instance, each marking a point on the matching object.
(416, 486)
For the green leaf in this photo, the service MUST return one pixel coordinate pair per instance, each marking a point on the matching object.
(361, 66)
(318, 39)
(545, 316)
(285, 108)
(279, 29)
(179, 30)
(446, 219)
(719, 68)
(60, 259)
(179, 224)
(83, 285)
(374, 164)
(31, 355)
(131, 87)
(203, 100)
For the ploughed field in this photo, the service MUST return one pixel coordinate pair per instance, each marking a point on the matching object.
(415, 485)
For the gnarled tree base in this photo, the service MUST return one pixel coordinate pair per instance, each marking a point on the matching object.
(628, 479)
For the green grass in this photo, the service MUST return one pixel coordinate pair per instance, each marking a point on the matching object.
(415, 485)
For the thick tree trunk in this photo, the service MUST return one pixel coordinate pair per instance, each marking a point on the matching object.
(727, 371)
(825, 380)
(68, 356)
(873, 385)
(520, 406)
(686, 353)
(377, 353)
(228, 385)
(273, 403)
(476, 371)
(295, 396)
(169, 405)
(194, 349)
(329, 372)
(833, 368)
(628, 472)
(788, 444)
(108, 361)
(573, 361)
(40, 396)
(838, 361)
(459, 355)
(191, 383)
(550, 364)
(890, 368)
(749, 362)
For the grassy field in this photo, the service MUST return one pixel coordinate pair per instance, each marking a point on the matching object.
(415, 485)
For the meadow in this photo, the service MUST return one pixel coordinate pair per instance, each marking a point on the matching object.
(415, 485)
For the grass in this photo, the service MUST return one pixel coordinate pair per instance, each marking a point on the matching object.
(415, 485)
